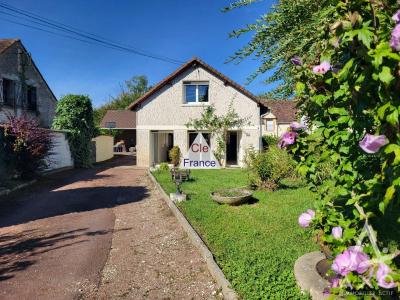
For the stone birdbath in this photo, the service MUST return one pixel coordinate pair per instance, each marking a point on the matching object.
(235, 196)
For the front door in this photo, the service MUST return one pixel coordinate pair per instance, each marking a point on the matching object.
(232, 148)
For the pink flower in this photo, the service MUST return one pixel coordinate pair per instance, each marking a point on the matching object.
(288, 138)
(381, 276)
(395, 40)
(295, 126)
(335, 282)
(396, 17)
(322, 68)
(305, 218)
(337, 232)
(350, 260)
(372, 143)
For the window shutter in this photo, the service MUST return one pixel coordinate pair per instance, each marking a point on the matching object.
(1, 92)
(18, 94)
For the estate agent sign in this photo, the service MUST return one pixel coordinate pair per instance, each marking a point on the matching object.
(199, 156)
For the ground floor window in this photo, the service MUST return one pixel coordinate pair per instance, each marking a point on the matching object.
(193, 135)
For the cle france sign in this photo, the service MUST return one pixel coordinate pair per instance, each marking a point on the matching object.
(199, 156)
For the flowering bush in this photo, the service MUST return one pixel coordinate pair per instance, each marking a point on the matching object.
(24, 146)
(351, 98)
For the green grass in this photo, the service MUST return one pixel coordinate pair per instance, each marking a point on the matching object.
(256, 244)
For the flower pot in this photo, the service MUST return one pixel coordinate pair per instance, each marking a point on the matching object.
(231, 196)
(310, 272)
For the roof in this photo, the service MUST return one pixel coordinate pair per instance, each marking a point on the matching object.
(6, 43)
(194, 62)
(284, 110)
(123, 119)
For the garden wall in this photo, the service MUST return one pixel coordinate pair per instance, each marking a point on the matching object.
(103, 147)
(60, 155)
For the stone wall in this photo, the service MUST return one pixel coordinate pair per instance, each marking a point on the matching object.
(12, 61)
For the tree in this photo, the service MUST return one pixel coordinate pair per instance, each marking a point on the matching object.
(74, 113)
(291, 28)
(130, 92)
(354, 108)
(218, 126)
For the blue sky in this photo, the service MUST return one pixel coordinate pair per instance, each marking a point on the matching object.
(179, 29)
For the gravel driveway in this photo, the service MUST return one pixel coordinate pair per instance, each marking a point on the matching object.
(102, 233)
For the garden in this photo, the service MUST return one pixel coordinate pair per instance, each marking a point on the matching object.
(255, 244)
(343, 63)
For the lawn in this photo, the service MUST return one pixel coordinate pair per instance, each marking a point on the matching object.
(255, 244)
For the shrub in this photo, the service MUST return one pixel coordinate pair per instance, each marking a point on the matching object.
(250, 155)
(351, 99)
(269, 140)
(163, 167)
(75, 114)
(24, 146)
(269, 167)
(175, 155)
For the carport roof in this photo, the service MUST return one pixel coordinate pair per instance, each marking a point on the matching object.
(119, 119)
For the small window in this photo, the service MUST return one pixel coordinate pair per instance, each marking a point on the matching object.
(193, 135)
(8, 92)
(111, 124)
(196, 92)
(270, 125)
(31, 98)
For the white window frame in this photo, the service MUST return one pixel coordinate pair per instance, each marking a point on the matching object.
(271, 129)
(197, 84)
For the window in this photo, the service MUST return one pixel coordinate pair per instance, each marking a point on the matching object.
(193, 135)
(8, 92)
(111, 124)
(270, 125)
(196, 92)
(31, 98)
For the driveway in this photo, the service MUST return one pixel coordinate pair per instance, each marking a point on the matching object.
(56, 237)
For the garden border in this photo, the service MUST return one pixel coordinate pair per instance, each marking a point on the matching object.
(212, 266)
(16, 188)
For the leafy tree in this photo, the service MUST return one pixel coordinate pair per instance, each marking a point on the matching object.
(353, 107)
(291, 28)
(74, 113)
(218, 126)
(130, 92)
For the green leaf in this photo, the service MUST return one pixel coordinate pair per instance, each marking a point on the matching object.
(385, 75)
(365, 35)
(338, 111)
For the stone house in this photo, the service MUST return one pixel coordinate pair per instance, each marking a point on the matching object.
(277, 116)
(23, 90)
(161, 114)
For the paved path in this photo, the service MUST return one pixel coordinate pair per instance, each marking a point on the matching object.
(55, 240)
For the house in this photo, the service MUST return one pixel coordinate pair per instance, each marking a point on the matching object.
(124, 121)
(23, 90)
(276, 116)
(161, 113)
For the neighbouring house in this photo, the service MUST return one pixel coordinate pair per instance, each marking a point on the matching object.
(276, 116)
(161, 114)
(124, 123)
(23, 90)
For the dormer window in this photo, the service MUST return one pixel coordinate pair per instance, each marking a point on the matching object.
(195, 92)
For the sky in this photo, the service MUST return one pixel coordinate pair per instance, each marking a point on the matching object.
(179, 29)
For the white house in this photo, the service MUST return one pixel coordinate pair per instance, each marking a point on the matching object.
(161, 114)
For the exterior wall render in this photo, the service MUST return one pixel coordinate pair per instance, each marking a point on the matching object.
(166, 110)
